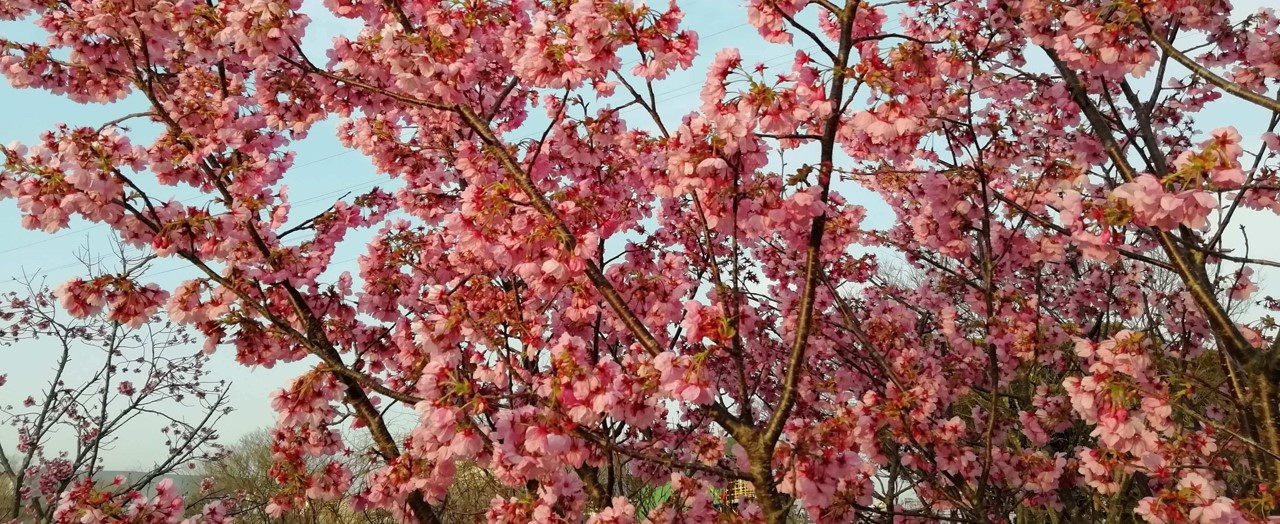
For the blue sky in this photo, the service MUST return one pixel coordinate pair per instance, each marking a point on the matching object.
(323, 171)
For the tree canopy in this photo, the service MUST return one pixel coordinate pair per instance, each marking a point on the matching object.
(566, 296)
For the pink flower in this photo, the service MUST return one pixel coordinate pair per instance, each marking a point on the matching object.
(1220, 510)
(80, 298)
(1243, 287)
(1144, 195)
(620, 512)
(554, 268)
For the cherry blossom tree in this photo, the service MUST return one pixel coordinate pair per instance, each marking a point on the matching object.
(553, 286)
(107, 378)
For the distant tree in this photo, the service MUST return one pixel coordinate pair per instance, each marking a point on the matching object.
(246, 476)
(107, 374)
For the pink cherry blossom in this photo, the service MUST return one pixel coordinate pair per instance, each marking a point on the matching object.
(986, 249)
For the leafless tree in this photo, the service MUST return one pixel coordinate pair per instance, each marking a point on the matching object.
(105, 376)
